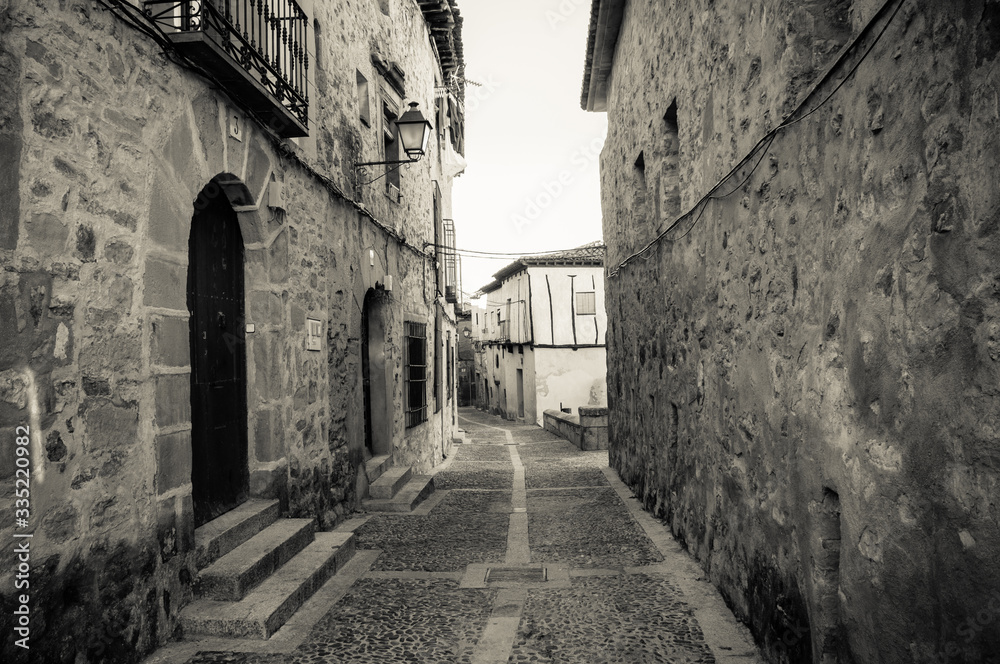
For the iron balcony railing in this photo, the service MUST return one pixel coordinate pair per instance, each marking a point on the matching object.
(255, 48)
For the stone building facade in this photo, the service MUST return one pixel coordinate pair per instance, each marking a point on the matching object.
(114, 144)
(803, 351)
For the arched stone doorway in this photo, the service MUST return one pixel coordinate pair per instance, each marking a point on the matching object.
(375, 366)
(215, 299)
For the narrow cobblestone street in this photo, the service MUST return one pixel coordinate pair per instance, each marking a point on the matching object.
(529, 551)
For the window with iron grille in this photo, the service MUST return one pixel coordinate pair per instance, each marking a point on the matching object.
(451, 368)
(415, 372)
(390, 139)
(437, 364)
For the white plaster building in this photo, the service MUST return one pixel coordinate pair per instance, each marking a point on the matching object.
(543, 330)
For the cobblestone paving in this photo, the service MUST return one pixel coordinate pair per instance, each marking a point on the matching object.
(560, 452)
(539, 476)
(409, 607)
(482, 453)
(585, 528)
(487, 437)
(533, 435)
(485, 475)
(446, 542)
(475, 502)
(620, 619)
(389, 621)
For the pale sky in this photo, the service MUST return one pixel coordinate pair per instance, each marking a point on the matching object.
(532, 181)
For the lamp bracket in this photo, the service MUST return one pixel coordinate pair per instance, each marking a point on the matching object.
(386, 163)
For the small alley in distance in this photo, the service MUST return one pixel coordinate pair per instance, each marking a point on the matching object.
(557, 331)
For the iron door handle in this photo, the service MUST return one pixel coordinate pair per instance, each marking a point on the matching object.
(222, 320)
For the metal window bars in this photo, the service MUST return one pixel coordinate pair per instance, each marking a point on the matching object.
(415, 372)
(451, 263)
(257, 49)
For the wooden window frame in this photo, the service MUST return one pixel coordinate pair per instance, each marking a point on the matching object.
(593, 302)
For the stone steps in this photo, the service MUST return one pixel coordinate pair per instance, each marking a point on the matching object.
(411, 494)
(223, 534)
(264, 610)
(231, 576)
(391, 481)
(377, 465)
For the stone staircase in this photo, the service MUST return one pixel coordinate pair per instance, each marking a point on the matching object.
(256, 570)
(394, 488)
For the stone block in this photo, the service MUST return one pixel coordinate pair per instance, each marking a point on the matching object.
(270, 484)
(86, 243)
(175, 525)
(47, 234)
(166, 527)
(268, 441)
(173, 460)
(173, 400)
(118, 252)
(169, 222)
(120, 353)
(258, 167)
(179, 150)
(298, 318)
(277, 259)
(10, 196)
(262, 362)
(210, 133)
(166, 284)
(171, 342)
(591, 418)
(7, 453)
(111, 426)
(259, 306)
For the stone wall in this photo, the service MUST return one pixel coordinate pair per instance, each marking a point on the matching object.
(108, 147)
(802, 375)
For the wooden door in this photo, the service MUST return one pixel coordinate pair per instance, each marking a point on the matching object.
(219, 472)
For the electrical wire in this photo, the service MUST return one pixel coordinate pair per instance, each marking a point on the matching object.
(766, 141)
(474, 252)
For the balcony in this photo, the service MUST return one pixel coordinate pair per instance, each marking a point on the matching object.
(256, 49)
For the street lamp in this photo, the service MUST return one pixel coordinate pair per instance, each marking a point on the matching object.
(413, 131)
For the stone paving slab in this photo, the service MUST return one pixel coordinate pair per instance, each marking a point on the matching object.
(477, 502)
(621, 619)
(434, 543)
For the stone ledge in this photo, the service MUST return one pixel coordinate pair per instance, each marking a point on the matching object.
(588, 430)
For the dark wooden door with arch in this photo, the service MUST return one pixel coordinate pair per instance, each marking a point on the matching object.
(219, 471)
